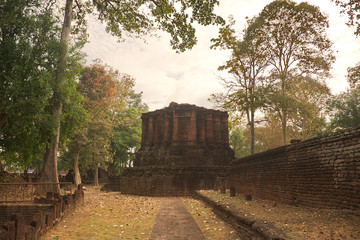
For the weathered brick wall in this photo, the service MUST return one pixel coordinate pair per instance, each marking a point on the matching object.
(20, 221)
(321, 172)
(184, 135)
(162, 181)
(28, 211)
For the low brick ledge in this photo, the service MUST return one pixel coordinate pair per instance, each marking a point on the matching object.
(251, 228)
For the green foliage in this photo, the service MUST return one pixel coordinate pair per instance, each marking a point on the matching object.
(268, 135)
(246, 92)
(306, 98)
(351, 8)
(297, 46)
(98, 85)
(112, 130)
(74, 115)
(295, 38)
(353, 76)
(139, 18)
(344, 108)
(28, 52)
(278, 66)
(127, 133)
(238, 143)
(307, 118)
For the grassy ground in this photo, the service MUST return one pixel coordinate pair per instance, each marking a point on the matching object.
(298, 222)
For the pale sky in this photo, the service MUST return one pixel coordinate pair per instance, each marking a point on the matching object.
(191, 77)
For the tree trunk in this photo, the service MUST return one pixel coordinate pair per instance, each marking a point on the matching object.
(284, 132)
(3, 119)
(96, 175)
(77, 177)
(284, 107)
(110, 169)
(252, 130)
(49, 170)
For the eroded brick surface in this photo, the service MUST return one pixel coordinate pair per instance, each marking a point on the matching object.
(183, 147)
(319, 172)
(184, 135)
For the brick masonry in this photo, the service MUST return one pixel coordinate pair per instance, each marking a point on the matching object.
(319, 172)
(28, 211)
(166, 181)
(29, 221)
(183, 147)
(184, 135)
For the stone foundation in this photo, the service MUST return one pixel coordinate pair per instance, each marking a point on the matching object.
(162, 181)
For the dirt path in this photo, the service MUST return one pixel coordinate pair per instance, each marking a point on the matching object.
(174, 221)
(111, 215)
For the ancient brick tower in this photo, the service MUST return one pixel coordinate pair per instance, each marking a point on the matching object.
(183, 147)
(184, 135)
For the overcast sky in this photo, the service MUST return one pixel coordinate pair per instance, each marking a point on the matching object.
(191, 77)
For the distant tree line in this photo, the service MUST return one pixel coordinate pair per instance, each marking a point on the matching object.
(278, 66)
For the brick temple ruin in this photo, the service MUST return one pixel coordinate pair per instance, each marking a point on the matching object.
(184, 135)
(183, 147)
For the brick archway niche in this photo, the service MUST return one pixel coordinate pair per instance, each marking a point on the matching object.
(183, 147)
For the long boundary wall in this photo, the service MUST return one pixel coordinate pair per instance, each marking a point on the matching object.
(319, 172)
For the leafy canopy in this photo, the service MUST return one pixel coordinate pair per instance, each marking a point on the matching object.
(344, 108)
(294, 36)
(352, 9)
(137, 18)
(247, 63)
(28, 51)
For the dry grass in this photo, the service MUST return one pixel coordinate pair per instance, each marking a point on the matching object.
(111, 215)
(212, 227)
(108, 216)
(298, 222)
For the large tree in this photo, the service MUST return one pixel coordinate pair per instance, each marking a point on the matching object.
(127, 133)
(136, 18)
(29, 44)
(248, 60)
(306, 117)
(99, 86)
(107, 96)
(294, 36)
